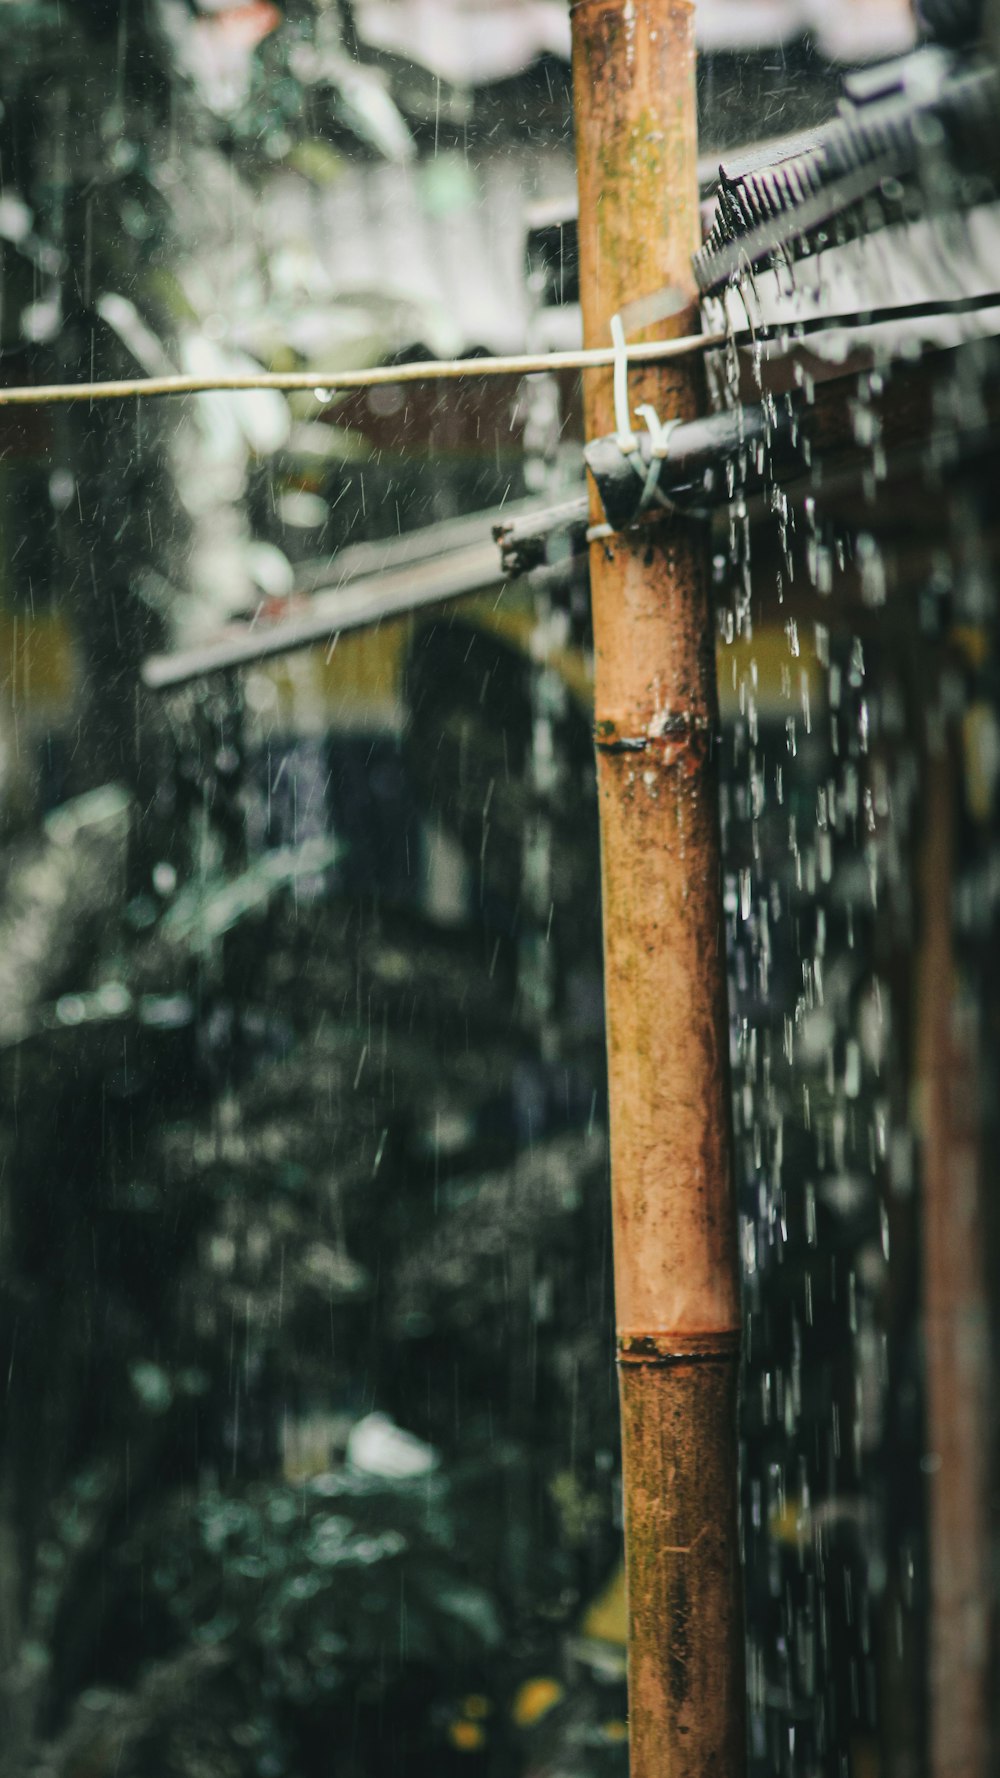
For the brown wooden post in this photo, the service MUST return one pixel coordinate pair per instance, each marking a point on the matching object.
(676, 1274)
(956, 1309)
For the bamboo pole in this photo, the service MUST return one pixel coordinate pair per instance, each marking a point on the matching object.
(676, 1275)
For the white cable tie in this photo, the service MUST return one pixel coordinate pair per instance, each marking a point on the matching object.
(597, 533)
(659, 442)
(659, 433)
(626, 439)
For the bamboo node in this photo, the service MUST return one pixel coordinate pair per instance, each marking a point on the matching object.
(668, 741)
(661, 727)
(718, 1347)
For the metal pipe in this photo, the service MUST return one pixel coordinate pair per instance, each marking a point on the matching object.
(369, 600)
(676, 1273)
(745, 451)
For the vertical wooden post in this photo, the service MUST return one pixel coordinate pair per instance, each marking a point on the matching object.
(676, 1272)
(956, 1311)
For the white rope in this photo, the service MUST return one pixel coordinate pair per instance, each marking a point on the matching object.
(325, 384)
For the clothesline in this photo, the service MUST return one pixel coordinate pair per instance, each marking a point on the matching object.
(326, 385)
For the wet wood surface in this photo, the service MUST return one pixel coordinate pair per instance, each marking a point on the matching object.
(656, 717)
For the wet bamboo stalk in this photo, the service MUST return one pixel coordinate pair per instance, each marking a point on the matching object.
(676, 1277)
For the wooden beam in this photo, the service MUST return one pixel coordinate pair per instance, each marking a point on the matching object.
(955, 1310)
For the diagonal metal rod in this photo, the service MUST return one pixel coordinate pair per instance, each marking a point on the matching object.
(372, 599)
